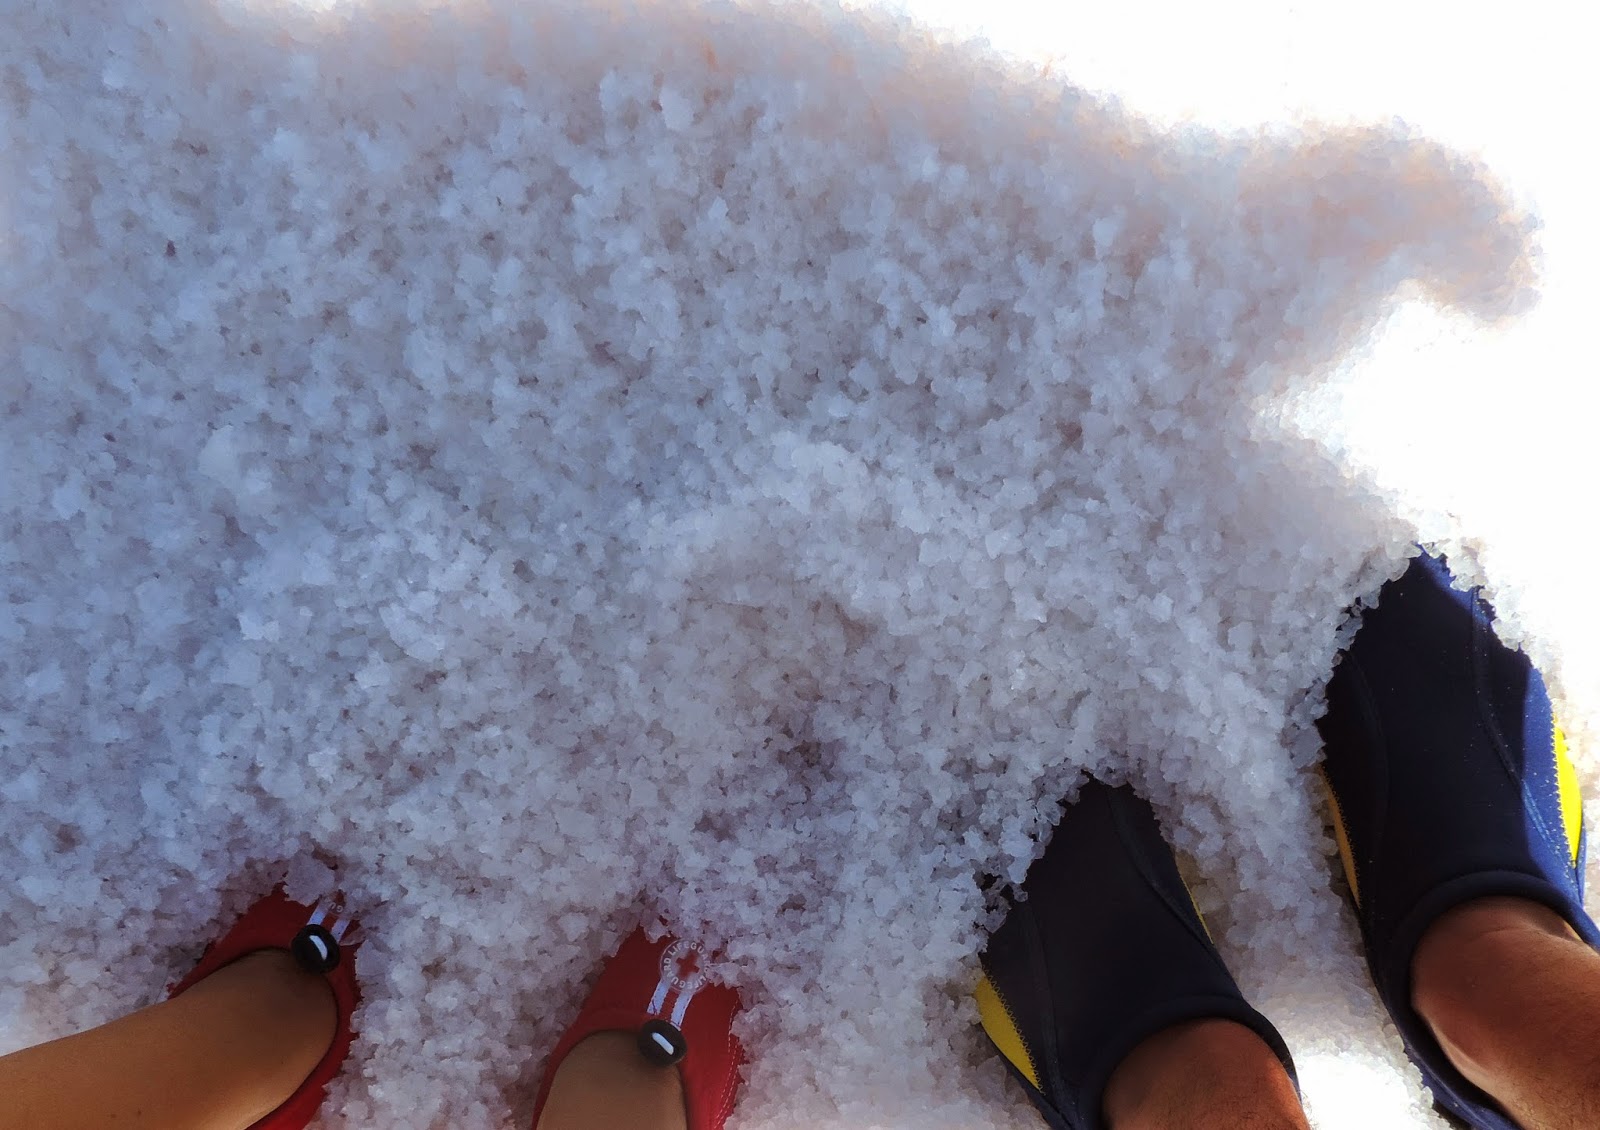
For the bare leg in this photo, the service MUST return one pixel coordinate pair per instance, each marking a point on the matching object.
(1513, 997)
(1202, 1075)
(605, 1084)
(218, 1057)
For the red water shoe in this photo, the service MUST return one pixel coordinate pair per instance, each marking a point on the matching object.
(659, 991)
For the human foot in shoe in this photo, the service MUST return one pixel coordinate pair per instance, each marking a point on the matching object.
(314, 948)
(1450, 785)
(652, 1049)
(1103, 989)
(248, 1039)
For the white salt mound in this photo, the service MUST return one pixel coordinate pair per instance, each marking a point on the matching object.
(736, 463)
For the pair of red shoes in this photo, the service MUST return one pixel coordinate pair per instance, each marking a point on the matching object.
(655, 989)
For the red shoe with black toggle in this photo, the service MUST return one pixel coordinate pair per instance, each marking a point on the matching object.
(659, 991)
(322, 941)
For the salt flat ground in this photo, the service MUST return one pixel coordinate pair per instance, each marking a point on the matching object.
(561, 466)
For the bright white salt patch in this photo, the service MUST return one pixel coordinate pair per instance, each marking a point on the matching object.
(737, 464)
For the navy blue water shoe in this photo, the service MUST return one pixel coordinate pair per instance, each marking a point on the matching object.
(1450, 781)
(1106, 950)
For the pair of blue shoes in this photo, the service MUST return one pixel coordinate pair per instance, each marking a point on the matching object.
(1449, 782)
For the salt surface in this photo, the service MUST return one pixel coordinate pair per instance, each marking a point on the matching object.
(742, 464)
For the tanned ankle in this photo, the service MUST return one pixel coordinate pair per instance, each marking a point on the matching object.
(1471, 954)
(270, 988)
(223, 1053)
(1200, 1075)
(1513, 997)
(1472, 921)
(604, 1083)
(264, 1023)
